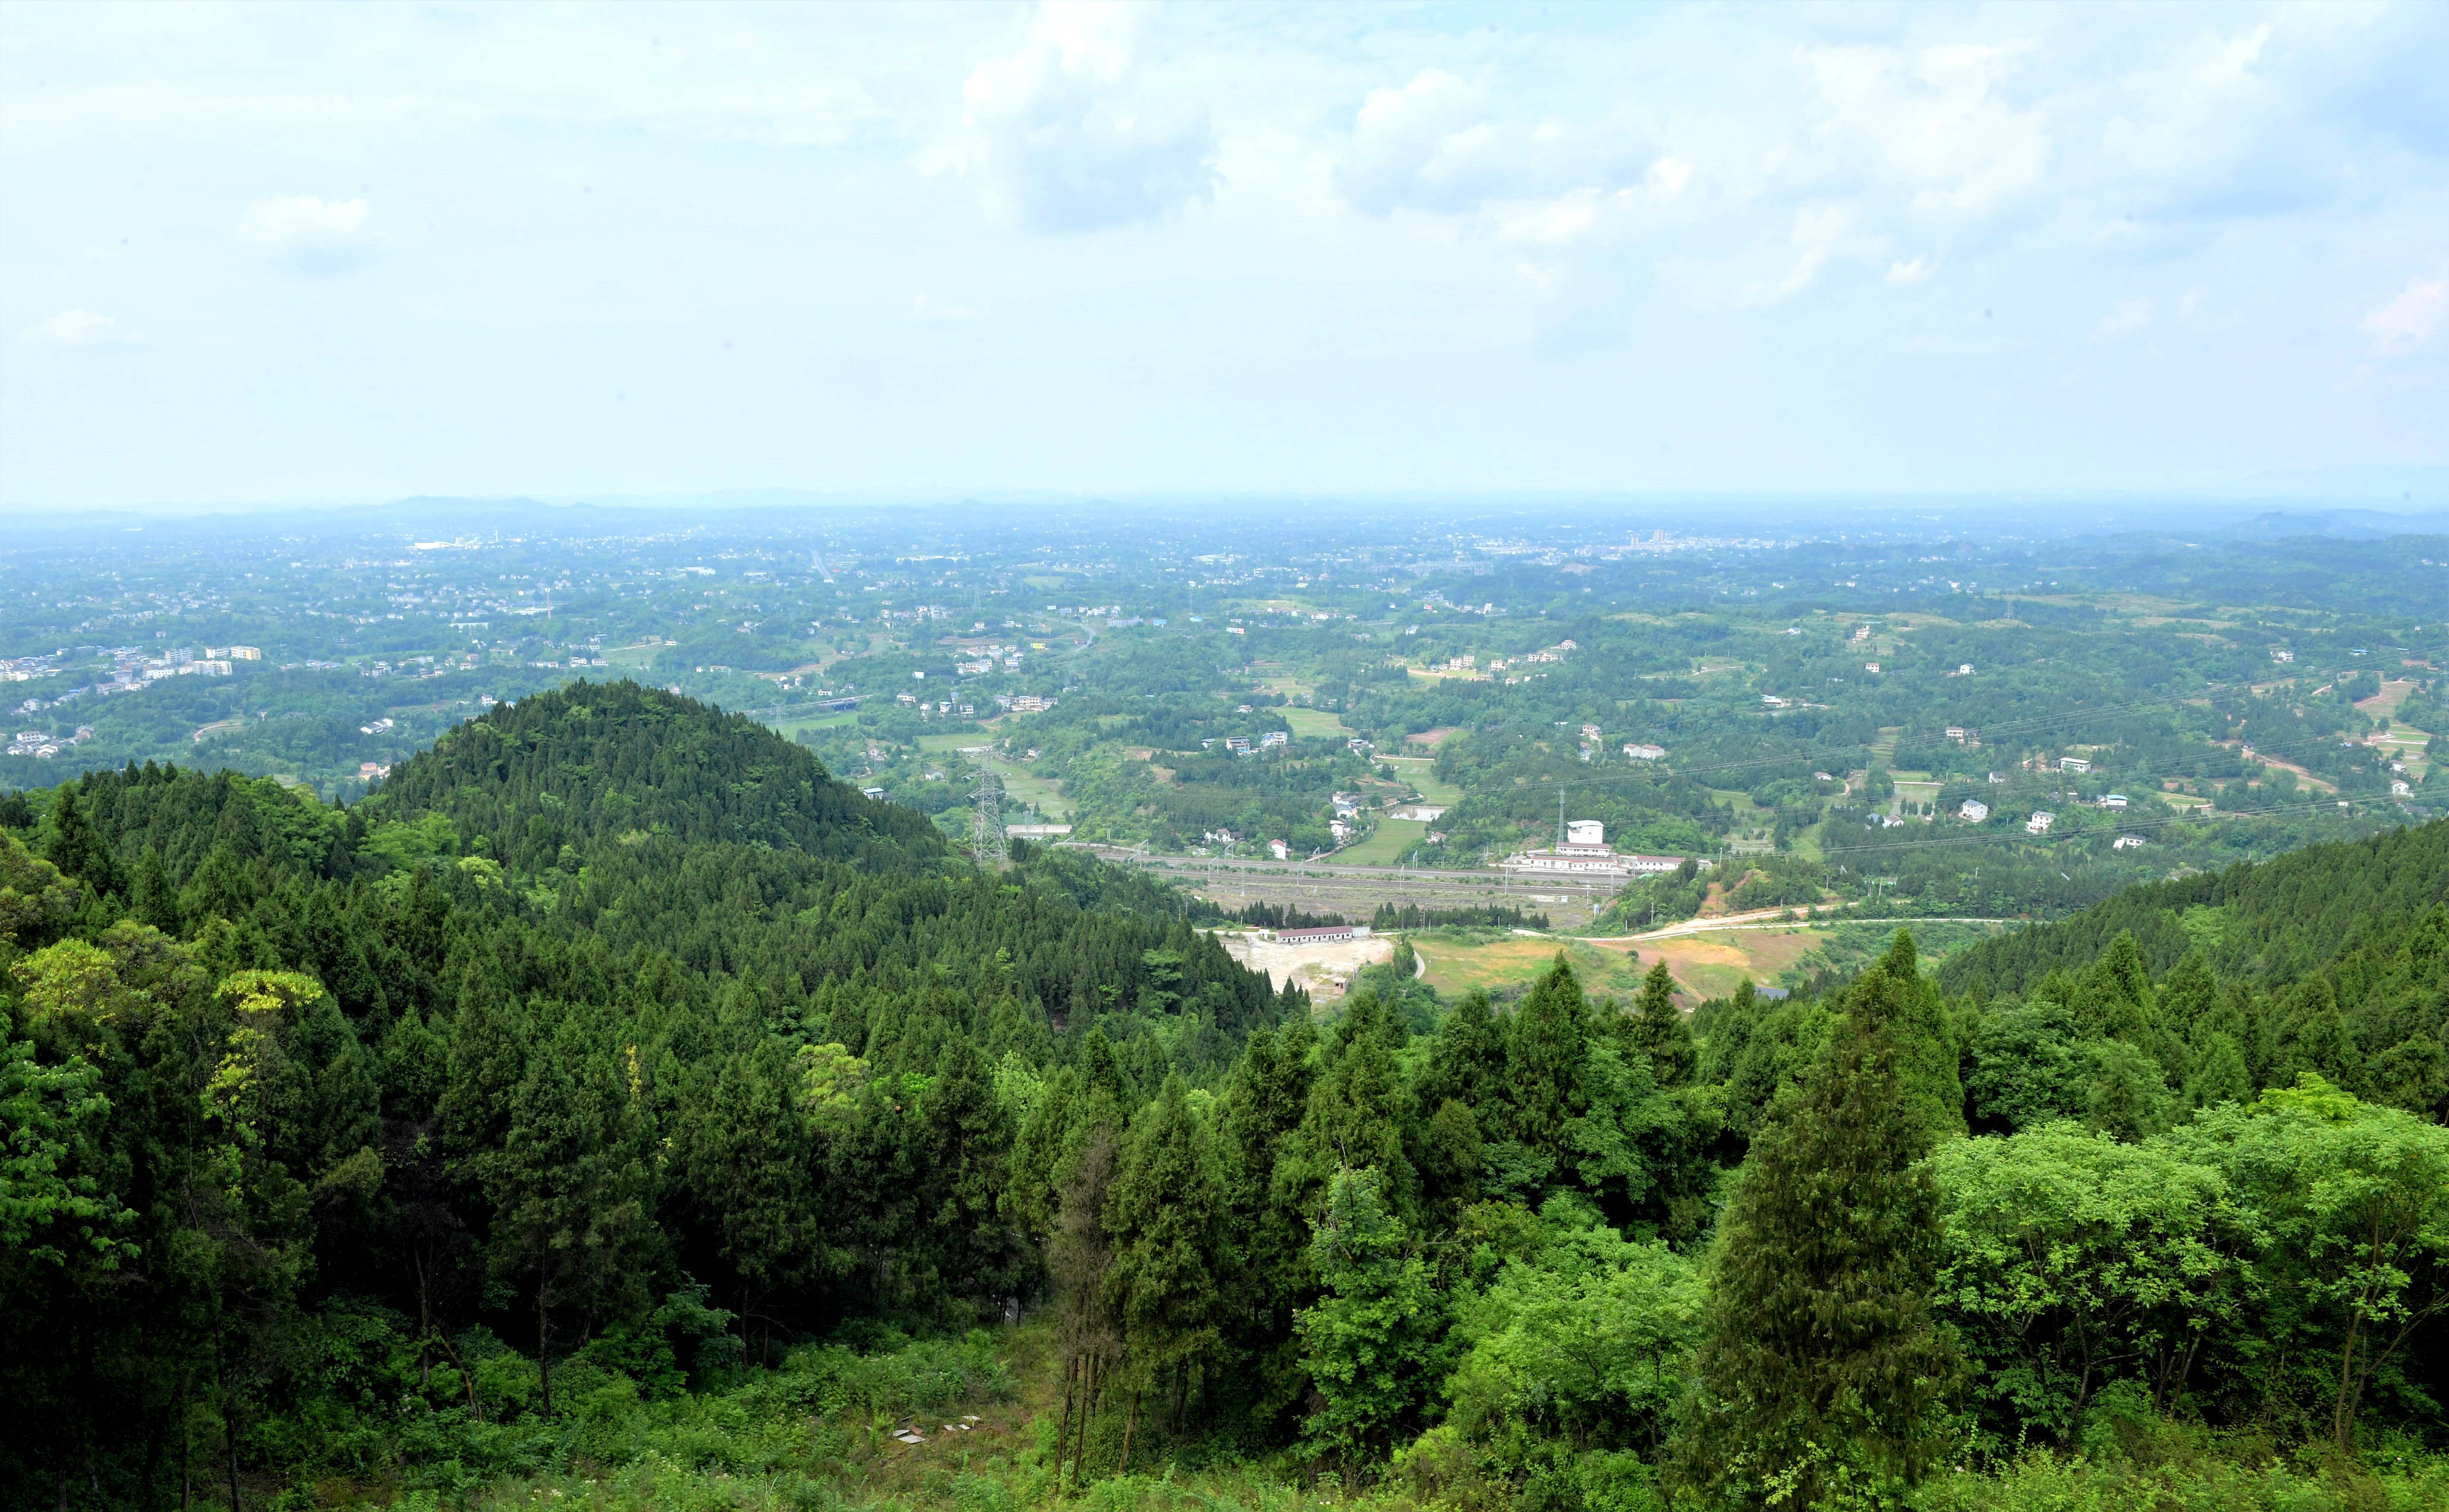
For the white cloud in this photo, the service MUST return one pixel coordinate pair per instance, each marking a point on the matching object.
(1937, 120)
(1432, 145)
(2409, 320)
(927, 307)
(79, 327)
(307, 233)
(1068, 137)
(1818, 232)
(1554, 222)
(2128, 317)
(1906, 272)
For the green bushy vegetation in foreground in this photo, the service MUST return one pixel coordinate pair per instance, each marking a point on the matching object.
(619, 1111)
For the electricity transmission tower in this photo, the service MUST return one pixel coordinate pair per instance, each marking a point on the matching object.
(986, 823)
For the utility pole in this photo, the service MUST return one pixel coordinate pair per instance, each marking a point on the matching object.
(986, 822)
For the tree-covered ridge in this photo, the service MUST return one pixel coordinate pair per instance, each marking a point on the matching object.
(349, 1151)
(592, 762)
(2334, 959)
(2279, 920)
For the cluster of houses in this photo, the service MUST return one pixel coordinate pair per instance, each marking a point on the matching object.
(1240, 744)
(25, 669)
(40, 743)
(984, 658)
(1584, 852)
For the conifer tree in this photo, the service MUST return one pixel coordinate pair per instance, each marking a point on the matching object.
(1909, 1008)
(1660, 1032)
(1466, 1063)
(1360, 1112)
(75, 847)
(1822, 1365)
(154, 901)
(965, 1138)
(747, 1159)
(1163, 1215)
(1544, 1061)
(571, 1192)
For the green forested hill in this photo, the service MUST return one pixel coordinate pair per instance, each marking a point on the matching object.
(2334, 958)
(601, 1110)
(589, 763)
(607, 998)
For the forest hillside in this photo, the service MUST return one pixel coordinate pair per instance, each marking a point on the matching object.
(615, 1109)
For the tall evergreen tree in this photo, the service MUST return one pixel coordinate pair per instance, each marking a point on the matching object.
(571, 1192)
(1822, 1365)
(1164, 1215)
(75, 847)
(966, 1137)
(1466, 1063)
(1660, 1032)
(1544, 1054)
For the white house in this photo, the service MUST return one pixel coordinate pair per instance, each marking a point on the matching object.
(2112, 801)
(1318, 933)
(2074, 764)
(1639, 752)
(2039, 823)
(2127, 842)
(1585, 832)
(1975, 811)
(1280, 851)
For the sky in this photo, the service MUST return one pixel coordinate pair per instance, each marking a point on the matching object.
(273, 253)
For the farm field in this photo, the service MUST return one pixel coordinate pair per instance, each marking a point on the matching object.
(1707, 965)
(1420, 772)
(1393, 836)
(790, 729)
(1312, 723)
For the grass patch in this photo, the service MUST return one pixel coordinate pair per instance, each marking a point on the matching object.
(1314, 722)
(1393, 838)
(1420, 772)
